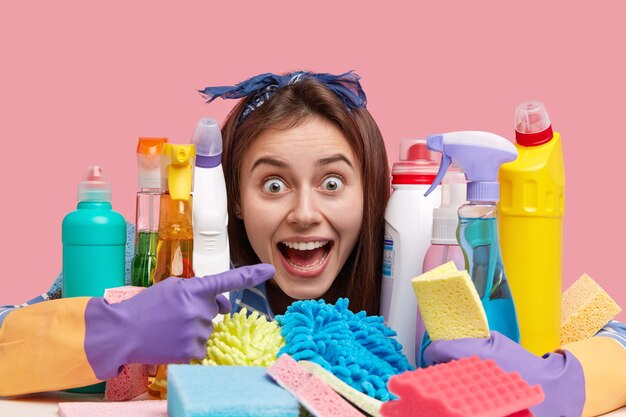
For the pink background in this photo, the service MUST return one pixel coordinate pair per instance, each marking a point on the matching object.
(80, 82)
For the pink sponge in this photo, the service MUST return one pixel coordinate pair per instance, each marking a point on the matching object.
(119, 294)
(155, 408)
(469, 387)
(133, 378)
(310, 390)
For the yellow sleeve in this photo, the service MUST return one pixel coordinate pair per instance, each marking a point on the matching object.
(603, 360)
(42, 348)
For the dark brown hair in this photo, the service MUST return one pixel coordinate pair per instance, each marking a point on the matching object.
(359, 279)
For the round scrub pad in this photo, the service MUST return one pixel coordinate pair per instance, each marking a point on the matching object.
(242, 340)
(358, 349)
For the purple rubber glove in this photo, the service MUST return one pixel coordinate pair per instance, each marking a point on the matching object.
(559, 374)
(169, 322)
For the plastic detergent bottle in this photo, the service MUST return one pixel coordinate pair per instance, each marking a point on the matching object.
(149, 151)
(480, 155)
(408, 226)
(94, 242)
(94, 239)
(175, 240)
(444, 244)
(211, 253)
(531, 223)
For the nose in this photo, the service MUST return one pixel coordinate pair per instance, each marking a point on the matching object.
(305, 211)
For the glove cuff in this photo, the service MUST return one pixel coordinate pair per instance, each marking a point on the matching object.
(603, 361)
(109, 339)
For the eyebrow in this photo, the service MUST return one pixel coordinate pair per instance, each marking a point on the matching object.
(333, 158)
(269, 161)
(319, 163)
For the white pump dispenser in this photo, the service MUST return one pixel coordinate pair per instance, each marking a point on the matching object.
(211, 254)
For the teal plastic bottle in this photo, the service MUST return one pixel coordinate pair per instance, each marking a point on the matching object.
(94, 241)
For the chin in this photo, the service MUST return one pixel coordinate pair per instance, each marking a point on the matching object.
(300, 291)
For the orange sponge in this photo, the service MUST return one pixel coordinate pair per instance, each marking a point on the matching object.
(470, 387)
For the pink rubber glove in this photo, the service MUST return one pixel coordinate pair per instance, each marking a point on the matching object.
(559, 374)
(169, 322)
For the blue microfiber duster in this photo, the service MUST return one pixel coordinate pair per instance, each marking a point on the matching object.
(359, 349)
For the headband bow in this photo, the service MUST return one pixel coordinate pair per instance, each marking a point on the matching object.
(262, 87)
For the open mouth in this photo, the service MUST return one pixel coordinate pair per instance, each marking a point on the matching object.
(305, 257)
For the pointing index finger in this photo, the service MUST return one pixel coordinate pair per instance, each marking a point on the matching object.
(239, 278)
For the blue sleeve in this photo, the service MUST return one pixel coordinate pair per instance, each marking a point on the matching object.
(615, 330)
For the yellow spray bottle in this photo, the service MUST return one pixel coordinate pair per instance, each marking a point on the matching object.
(174, 254)
(531, 227)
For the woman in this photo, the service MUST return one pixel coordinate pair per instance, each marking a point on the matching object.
(308, 181)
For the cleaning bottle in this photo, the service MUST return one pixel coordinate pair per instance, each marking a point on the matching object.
(211, 253)
(480, 155)
(149, 151)
(174, 256)
(175, 239)
(408, 226)
(444, 244)
(531, 223)
(94, 242)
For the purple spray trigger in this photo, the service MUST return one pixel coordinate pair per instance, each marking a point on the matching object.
(435, 143)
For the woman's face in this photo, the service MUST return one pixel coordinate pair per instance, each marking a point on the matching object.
(302, 204)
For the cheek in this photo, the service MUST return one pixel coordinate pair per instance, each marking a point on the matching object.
(261, 223)
(348, 218)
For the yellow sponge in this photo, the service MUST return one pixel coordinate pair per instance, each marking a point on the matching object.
(449, 304)
(363, 401)
(585, 309)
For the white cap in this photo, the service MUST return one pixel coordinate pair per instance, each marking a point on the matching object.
(149, 151)
(150, 178)
(94, 186)
(531, 117)
(207, 138)
(445, 217)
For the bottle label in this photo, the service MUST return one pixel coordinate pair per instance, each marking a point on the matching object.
(388, 257)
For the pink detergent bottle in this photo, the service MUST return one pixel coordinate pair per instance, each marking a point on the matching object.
(444, 244)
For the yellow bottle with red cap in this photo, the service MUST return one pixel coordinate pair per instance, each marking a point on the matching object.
(531, 227)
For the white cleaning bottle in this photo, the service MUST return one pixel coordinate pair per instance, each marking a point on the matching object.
(408, 226)
(211, 253)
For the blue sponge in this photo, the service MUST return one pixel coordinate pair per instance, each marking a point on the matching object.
(226, 391)
(358, 349)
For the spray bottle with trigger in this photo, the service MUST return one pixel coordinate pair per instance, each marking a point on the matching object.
(174, 255)
(480, 155)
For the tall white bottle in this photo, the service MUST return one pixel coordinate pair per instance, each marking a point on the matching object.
(211, 253)
(408, 228)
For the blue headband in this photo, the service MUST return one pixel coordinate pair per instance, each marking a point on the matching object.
(262, 87)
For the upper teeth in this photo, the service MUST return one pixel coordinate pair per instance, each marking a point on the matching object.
(305, 245)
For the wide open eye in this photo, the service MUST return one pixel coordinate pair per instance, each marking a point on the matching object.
(332, 183)
(274, 185)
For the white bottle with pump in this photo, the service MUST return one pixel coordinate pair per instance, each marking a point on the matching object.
(408, 227)
(211, 254)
